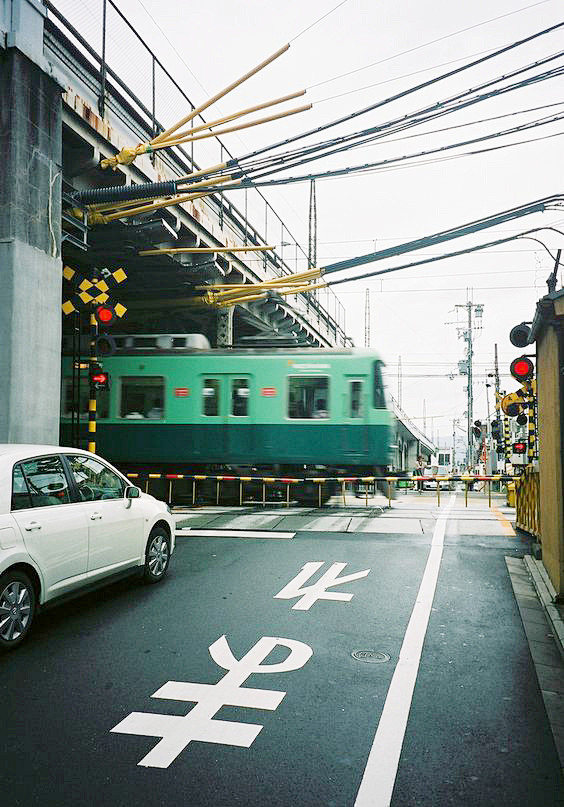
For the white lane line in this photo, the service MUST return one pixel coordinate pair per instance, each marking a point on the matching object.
(194, 532)
(381, 769)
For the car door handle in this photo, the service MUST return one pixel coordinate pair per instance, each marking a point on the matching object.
(33, 525)
(95, 516)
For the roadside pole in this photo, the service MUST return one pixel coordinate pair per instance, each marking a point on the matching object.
(92, 385)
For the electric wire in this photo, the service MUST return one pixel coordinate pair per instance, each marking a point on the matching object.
(404, 93)
(309, 27)
(426, 44)
(434, 259)
(461, 100)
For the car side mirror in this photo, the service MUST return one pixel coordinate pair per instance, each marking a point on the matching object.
(132, 492)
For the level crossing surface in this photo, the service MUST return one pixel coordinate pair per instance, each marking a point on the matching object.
(400, 672)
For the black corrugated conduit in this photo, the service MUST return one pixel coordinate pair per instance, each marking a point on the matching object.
(125, 193)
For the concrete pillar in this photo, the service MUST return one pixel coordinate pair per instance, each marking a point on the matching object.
(30, 246)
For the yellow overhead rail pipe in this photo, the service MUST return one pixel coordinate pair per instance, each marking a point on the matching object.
(165, 135)
(203, 250)
(127, 155)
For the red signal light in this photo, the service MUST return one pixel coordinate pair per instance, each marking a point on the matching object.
(522, 369)
(105, 314)
(519, 448)
(99, 378)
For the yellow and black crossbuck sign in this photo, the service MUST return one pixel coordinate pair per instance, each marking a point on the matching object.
(94, 292)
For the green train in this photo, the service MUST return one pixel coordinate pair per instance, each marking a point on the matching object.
(312, 412)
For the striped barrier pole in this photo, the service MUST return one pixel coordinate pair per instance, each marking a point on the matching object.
(92, 386)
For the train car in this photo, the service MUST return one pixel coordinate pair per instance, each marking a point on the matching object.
(304, 411)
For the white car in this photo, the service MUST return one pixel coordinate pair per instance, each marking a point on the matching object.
(440, 471)
(69, 521)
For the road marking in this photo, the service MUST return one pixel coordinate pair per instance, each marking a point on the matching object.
(194, 532)
(177, 732)
(318, 591)
(505, 523)
(380, 773)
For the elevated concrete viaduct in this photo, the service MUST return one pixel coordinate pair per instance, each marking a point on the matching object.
(65, 107)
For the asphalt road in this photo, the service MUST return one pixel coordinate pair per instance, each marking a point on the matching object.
(474, 729)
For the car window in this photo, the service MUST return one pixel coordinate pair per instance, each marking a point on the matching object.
(94, 480)
(46, 481)
(20, 492)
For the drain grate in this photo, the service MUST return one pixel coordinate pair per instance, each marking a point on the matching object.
(370, 656)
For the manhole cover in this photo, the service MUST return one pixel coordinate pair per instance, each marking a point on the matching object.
(370, 656)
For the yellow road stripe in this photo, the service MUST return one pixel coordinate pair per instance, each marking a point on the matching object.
(505, 523)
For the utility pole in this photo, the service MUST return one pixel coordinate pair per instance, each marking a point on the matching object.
(367, 319)
(473, 310)
(312, 252)
(470, 403)
(454, 424)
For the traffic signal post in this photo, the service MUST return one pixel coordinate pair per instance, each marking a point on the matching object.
(93, 366)
(93, 293)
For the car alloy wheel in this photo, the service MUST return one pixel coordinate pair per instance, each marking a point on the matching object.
(157, 555)
(17, 607)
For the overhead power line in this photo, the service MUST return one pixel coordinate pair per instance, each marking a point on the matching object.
(426, 44)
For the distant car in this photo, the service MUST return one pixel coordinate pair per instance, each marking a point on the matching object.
(70, 521)
(441, 470)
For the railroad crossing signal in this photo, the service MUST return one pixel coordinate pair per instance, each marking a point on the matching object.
(522, 369)
(87, 292)
(99, 378)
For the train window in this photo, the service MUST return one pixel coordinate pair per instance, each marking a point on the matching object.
(142, 397)
(70, 395)
(355, 403)
(379, 395)
(210, 397)
(308, 397)
(240, 397)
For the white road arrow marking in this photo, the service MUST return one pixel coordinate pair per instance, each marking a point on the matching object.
(318, 591)
(177, 732)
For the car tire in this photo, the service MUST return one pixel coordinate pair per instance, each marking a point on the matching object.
(157, 555)
(17, 608)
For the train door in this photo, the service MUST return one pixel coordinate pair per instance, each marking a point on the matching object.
(238, 419)
(355, 418)
(212, 438)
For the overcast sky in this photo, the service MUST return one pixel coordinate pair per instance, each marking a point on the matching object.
(384, 46)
